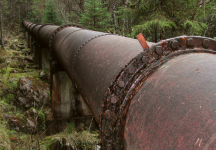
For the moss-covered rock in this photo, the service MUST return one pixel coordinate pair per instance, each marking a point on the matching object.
(32, 92)
(31, 122)
(45, 75)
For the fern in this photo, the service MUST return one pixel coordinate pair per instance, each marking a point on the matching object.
(194, 27)
(159, 22)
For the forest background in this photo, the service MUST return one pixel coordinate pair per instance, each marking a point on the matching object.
(156, 19)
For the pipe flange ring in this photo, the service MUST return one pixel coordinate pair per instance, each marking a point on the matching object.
(59, 29)
(34, 27)
(118, 96)
(41, 28)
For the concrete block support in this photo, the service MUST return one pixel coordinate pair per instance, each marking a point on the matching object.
(63, 102)
(32, 48)
(29, 43)
(63, 96)
(37, 54)
(45, 58)
(87, 117)
(26, 35)
(67, 104)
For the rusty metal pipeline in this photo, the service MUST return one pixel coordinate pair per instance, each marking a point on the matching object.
(157, 97)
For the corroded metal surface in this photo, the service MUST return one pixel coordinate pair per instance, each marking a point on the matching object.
(124, 83)
(35, 31)
(58, 30)
(31, 28)
(95, 59)
(62, 35)
(118, 97)
(175, 107)
(45, 34)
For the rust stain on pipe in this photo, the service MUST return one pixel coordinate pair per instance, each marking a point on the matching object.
(175, 107)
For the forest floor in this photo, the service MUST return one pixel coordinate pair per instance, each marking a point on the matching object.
(23, 125)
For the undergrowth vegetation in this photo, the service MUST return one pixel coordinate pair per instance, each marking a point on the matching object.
(15, 120)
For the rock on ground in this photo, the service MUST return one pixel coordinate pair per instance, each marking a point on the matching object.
(32, 93)
(31, 122)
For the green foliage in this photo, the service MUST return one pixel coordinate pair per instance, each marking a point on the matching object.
(9, 98)
(4, 138)
(157, 22)
(48, 94)
(194, 27)
(164, 19)
(51, 14)
(96, 16)
(36, 13)
(3, 70)
(2, 60)
(42, 116)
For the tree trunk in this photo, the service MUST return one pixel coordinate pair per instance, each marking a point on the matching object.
(1, 19)
(125, 19)
(114, 18)
(81, 5)
(155, 35)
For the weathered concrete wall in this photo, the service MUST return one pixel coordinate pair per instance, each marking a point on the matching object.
(29, 37)
(26, 35)
(32, 48)
(37, 53)
(87, 117)
(45, 58)
(30, 42)
(84, 108)
(63, 96)
(68, 105)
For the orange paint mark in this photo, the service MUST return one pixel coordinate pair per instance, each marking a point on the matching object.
(142, 41)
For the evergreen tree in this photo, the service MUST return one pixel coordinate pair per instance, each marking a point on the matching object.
(162, 19)
(95, 16)
(36, 13)
(51, 14)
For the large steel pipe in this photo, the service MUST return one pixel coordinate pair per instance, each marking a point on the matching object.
(45, 33)
(176, 106)
(93, 61)
(161, 97)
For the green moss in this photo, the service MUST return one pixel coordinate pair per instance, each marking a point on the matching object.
(81, 140)
(2, 60)
(3, 51)
(48, 94)
(4, 138)
(3, 70)
(16, 53)
(8, 98)
(9, 77)
(14, 65)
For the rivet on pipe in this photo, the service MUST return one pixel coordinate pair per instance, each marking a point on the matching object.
(159, 50)
(120, 83)
(145, 59)
(174, 44)
(206, 43)
(190, 42)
